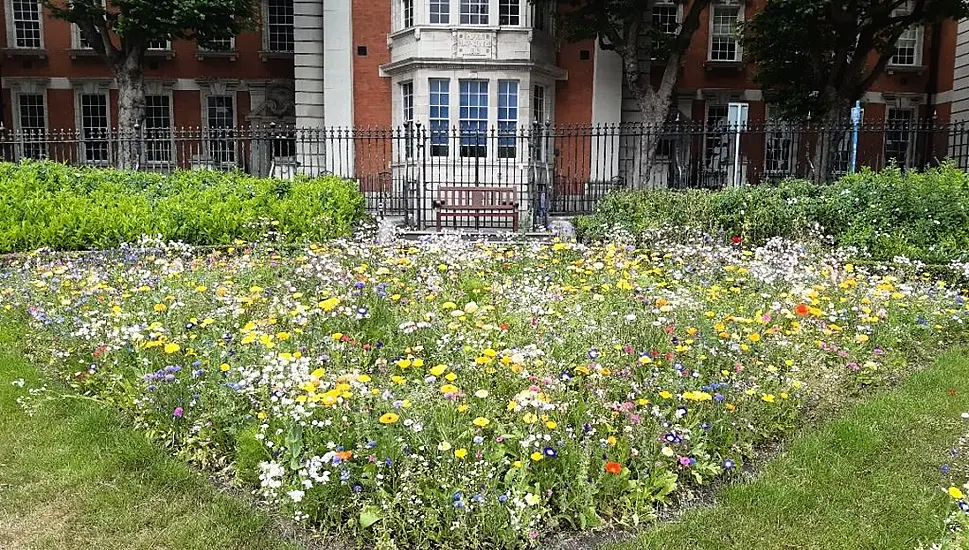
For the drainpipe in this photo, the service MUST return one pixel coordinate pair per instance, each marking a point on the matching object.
(932, 90)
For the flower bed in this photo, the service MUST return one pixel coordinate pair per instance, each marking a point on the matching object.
(446, 393)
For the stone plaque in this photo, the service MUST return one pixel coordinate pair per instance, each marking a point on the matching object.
(474, 44)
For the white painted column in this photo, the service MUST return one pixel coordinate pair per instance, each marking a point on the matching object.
(606, 110)
(337, 105)
(308, 84)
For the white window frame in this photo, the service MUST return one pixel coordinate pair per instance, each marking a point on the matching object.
(708, 134)
(446, 14)
(18, 127)
(439, 148)
(507, 135)
(79, 124)
(520, 15)
(481, 123)
(484, 18)
(232, 47)
(173, 159)
(12, 32)
(732, 4)
(408, 14)
(232, 138)
(679, 15)
(919, 39)
(265, 30)
(406, 89)
(911, 136)
(166, 48)
(777, 128)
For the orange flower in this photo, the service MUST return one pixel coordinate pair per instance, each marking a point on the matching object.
(802, 310)
(613, 467)
(345, 455)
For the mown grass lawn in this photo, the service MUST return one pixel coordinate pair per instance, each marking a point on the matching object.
(72, 477)
(866, 480)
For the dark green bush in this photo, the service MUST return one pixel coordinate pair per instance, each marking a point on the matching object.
(923, 216)
(45, 204)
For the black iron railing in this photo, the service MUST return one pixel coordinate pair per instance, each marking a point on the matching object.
(554, 170)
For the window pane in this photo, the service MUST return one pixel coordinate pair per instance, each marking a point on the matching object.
(474, 118)
(509, 12)
(906, 48)
(440, 12)
(279, 23)
(407, 103)
(474, 12)
(26, 23)
(94, 127)
(408, 9)
(898, 136)
(33, 125)
(723, 40)
(158, 45)
(440, 119)
(717, 139)
(507, 117)
(539, 117)
(158, 128)
(220, 119)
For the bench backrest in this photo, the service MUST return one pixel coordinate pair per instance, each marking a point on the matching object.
(476, 197)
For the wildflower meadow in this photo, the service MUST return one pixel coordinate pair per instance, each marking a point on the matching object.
(448, 393)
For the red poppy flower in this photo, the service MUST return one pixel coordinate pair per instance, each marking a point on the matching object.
(503, 326)
(613, 467)
(801, 310)
(735, 240)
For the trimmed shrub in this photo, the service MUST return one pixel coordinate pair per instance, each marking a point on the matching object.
(45, 204)
(923, 216)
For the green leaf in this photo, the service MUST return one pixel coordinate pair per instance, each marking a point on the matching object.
(369, 516)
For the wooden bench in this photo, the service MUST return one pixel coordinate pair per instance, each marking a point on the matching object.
(477, 203)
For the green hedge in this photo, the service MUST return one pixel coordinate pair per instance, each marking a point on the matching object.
(923, 216)
(45, 204)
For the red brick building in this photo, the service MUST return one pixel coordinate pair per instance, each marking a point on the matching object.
(440, 63)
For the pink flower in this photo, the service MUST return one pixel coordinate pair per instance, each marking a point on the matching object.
(178, 412)
(684, 461)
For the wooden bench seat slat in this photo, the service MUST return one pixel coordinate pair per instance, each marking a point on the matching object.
(476, 202)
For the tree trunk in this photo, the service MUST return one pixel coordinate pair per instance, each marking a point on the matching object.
(833, 134)
(653, 110)
(131, 110)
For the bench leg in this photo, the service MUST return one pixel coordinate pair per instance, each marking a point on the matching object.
(438, 221)
(514, 221)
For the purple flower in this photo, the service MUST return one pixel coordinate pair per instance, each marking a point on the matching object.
(178, 412)
(684, 461)
(550, 452)
(728, 464)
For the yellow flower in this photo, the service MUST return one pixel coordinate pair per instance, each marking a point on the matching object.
(536, 456)
(438, 370)
(389, 418)
(172, 347)
(404, 363)
(451, 377)
(697, 396)
(449, 388)
(861, 338)
(329, 304)
(755, 337)
(363, 378)
(461, 453)
(551, 425)
(767, 397)
(531, 499)
(529, 418)
(462, 408)
(481, 422)
(611, 440)
(224, 367)
(444, 446)
(955, 492)
(337, 335)
(318, 373)
(665, 394)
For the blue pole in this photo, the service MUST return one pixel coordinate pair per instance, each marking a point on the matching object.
(855, 121)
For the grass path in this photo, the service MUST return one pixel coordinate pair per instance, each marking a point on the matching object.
(72, 477)
(869, 479)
